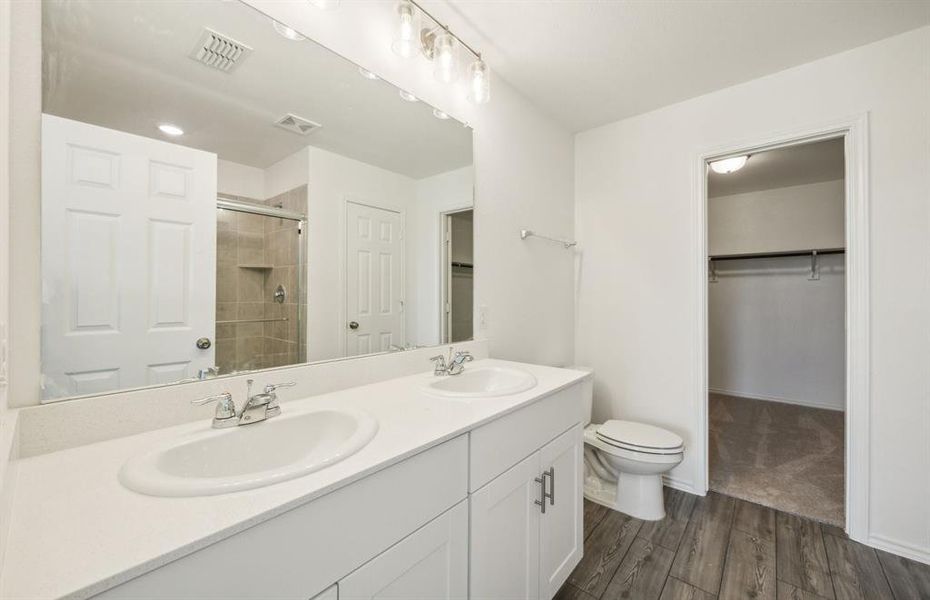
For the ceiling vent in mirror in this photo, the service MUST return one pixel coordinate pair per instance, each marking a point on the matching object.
(296, 124)
(219, 51)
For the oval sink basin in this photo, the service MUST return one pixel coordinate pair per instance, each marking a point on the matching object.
(482, 382)
(240, 458)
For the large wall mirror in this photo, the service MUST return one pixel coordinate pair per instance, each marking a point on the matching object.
(220, 194)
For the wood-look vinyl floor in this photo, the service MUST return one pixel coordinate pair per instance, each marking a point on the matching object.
(722, 548)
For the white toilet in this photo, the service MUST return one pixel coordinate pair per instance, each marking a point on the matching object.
(624, 462)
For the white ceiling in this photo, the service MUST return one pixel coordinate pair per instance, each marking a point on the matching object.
(588, 63)
(125, 65)
(784, 167)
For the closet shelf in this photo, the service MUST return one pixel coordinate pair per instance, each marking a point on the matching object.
(818, 251)
(261, 267)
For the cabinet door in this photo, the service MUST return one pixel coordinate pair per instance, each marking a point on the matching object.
(504, 547)
(561, 533)
(429, 564)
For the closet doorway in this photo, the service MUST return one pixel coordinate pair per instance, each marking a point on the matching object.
(458, 272)
(776, 339)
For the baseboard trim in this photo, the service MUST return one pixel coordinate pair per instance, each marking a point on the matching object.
(680, 484)
(921, 555)
(774, 399)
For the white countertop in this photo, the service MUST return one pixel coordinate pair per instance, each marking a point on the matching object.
(75, 531)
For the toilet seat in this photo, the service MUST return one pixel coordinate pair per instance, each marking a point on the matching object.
(592, 439)
(639, 437)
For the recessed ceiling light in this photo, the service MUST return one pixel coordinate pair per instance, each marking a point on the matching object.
(325, 4)
(408, 96)
(439, 114)
(287, 32)
(169, 129)
(729, 165)
(367, 74)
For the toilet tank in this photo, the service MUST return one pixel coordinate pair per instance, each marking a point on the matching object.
(587, 393)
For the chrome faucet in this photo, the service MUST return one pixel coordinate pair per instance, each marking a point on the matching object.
(258, 407)
(455, 364)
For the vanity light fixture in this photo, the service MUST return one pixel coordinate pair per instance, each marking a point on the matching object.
(367, 74)
(479, 84)
(325, 4)
(439, 114)
(287, 32)
(403, 44)
(444, 56)
(169, 129)
(408, 96)
(438, 44)
(729, 165)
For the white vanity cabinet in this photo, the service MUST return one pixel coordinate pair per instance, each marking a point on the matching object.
(429, 564)
(526, 519)
(526, 527)
(495, 513)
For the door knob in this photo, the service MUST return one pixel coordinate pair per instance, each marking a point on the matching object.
(353, 325)
(204, 343)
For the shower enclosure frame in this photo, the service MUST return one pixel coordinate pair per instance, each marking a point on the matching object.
(301, 219)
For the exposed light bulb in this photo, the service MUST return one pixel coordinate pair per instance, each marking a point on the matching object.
(479, 82)
(439, 114)
(325, 4)
(367, 74)
(408, 96)
(287, 32)
(405, 36)
(169, 129)
(729, 165)
(444, 57)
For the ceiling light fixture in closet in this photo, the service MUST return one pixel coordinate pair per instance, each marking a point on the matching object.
(438, 44)
(729, 165)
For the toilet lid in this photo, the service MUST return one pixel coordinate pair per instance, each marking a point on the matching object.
(639, 436)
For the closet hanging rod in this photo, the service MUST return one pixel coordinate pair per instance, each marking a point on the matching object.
(525, 233)
(818, 251)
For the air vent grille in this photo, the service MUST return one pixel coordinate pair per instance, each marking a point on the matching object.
(298, 125)
(219, 51)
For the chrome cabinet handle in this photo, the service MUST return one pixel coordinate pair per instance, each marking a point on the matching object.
(551, 495)
(541, 503)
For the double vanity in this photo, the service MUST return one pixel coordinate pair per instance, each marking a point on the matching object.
(423, 486)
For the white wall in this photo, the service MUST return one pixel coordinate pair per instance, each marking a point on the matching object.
(636, 292)
(799, 217)
(775, 335)
(239, 180)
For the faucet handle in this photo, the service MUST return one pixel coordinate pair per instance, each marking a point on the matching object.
(225, 407)
(273, 386)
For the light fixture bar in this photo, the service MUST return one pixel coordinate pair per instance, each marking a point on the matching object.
(442, 25)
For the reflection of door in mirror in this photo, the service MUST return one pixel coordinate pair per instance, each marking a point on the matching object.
(374, 279)
(125, 303)
(459, 276)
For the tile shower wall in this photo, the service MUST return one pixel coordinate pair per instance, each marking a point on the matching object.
(255, 254)
(283, 344)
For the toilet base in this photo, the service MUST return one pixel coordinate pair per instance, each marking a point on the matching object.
(639, 496)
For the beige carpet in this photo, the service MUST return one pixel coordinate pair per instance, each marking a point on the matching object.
(779, 455)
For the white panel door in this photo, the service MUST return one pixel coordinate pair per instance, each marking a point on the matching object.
(128, 259)
(374, 279)
(429, 564)
(504, 548)
(561, 532)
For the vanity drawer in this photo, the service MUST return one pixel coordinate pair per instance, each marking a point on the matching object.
(302, 552)
(502, 443)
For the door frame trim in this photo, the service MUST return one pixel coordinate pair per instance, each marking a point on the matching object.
(445, 272)
(854, 130)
